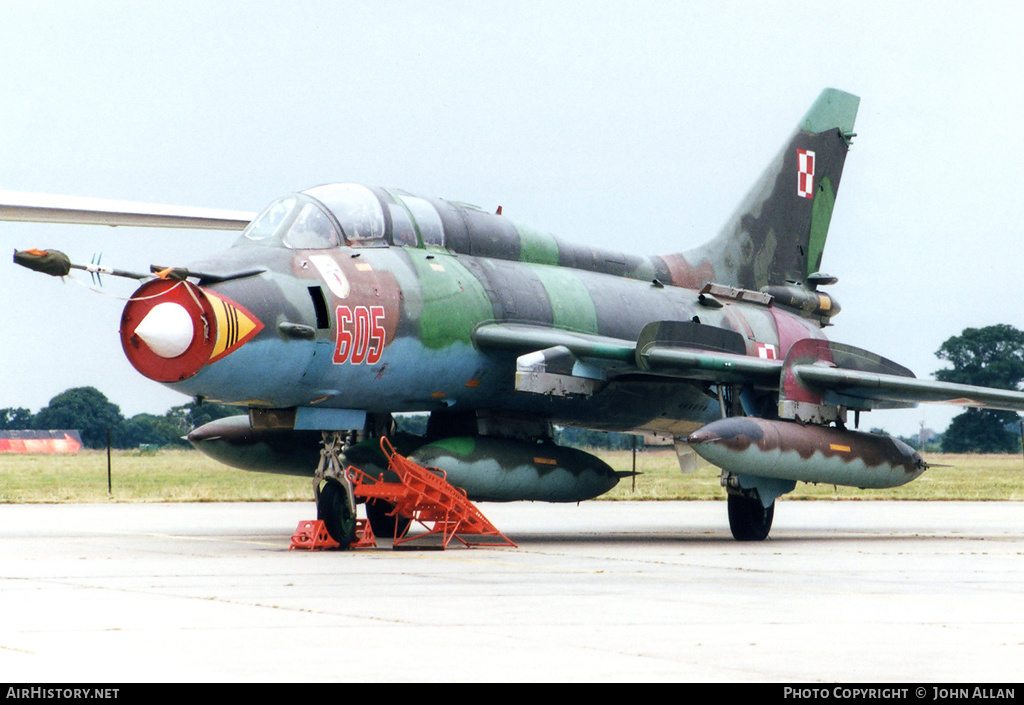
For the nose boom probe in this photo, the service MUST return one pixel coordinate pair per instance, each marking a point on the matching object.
(57, 264)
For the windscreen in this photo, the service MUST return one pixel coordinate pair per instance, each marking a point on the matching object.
(295, 222)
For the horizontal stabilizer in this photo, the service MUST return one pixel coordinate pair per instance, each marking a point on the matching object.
(892, 388)
(828, 374)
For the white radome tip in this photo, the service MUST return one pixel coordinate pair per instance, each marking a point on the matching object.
(167, 330)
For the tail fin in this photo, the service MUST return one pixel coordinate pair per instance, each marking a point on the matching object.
(777, 235)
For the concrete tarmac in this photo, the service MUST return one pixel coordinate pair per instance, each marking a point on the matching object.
(896, 592)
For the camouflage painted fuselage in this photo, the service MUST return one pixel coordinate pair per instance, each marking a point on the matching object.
(391, 328)
(367, 300)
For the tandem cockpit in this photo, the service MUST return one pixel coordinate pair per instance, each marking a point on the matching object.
(350, 215)
(357, 216)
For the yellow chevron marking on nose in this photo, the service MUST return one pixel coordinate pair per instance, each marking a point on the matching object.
(235, 326)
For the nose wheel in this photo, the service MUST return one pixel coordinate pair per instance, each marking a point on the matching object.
(335, 506)
(335, 503)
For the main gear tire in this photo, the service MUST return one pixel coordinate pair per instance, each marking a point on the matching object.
(749, 519)
(383, 524)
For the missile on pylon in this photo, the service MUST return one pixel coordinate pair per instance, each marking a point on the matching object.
(787, 450)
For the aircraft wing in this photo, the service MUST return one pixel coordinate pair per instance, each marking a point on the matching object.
(685, 350)
(559, 362)
(525, 338)
(45, 208)
(709, 365)
(554, 361)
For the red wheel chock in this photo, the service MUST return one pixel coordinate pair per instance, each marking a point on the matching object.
(364, 535)
(312, 536)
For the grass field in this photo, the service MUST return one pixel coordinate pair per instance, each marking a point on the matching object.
(189, 476)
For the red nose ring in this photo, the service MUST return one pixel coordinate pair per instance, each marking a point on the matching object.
(172, 329)
(168, 330)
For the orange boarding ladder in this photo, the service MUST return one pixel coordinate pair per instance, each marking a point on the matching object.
(425, 496)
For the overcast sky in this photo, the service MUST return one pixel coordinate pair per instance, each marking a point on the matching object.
(633, 125)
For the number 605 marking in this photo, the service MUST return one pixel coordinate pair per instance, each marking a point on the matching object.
(361, 335)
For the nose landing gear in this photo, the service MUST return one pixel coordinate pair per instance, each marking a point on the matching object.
(335, 501)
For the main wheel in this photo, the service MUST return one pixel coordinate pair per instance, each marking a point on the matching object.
(337, 513)
(383, 525)
(749, 520)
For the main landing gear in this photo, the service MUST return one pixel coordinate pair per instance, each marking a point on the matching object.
(749, 519)
(384, 521)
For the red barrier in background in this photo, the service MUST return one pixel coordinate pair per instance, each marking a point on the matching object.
(40, 442)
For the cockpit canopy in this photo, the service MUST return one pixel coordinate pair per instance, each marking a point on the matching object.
(351, 214)
(357, 209)
(293, 222)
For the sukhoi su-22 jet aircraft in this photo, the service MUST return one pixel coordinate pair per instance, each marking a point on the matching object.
(343, 305)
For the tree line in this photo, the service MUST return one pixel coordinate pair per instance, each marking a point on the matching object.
(990, 357)
(88, 410)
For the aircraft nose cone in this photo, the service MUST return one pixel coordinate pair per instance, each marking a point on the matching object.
(167, 330)
(170, 330)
